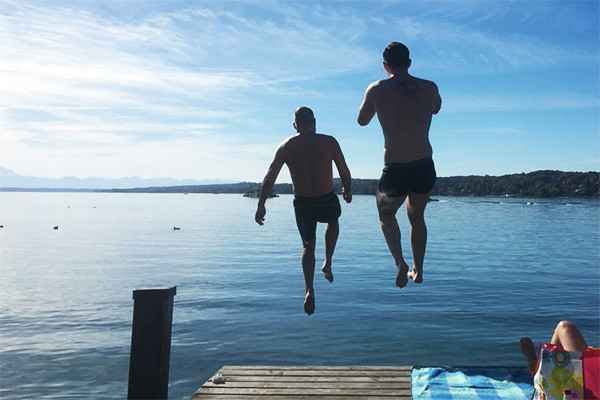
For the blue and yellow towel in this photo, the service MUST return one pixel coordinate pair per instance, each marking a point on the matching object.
(437, 383)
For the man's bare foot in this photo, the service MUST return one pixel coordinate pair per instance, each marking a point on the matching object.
(402, 276)
(309, 303)
(528, 350)
(416, 275)
(327, 271)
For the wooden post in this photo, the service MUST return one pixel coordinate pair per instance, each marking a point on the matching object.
(151, 343)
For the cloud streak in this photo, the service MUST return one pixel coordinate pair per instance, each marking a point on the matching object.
(212, 78)
(519, 102)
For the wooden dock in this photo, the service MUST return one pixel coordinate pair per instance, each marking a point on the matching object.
(310, 382)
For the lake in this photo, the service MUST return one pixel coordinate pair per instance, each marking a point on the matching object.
(496, 269)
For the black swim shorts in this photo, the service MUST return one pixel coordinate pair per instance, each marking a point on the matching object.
(310, 210)
(398, 179)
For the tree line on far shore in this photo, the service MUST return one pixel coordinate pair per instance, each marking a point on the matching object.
(534, 184)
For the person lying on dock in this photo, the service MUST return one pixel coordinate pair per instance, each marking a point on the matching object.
(309, 156)
(405, 106)
(566, 335)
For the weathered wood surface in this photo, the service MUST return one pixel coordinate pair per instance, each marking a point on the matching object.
(310, 382)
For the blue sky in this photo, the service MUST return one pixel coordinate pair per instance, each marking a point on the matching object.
(206, 89)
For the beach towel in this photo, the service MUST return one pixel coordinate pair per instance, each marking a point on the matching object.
(557, 369)
(469, 383)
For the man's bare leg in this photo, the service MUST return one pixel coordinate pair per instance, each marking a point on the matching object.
(308, 268)
(415, 208)
(332, 231)
(387, 207)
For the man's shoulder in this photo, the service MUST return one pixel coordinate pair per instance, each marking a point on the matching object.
(326, 138)
(377, 84)
(287, 143)
(290, 139)
(426, 82)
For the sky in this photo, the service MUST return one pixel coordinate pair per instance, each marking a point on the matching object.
(207, 89)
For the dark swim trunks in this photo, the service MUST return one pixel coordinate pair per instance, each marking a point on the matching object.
(310, 210)
(398, 179)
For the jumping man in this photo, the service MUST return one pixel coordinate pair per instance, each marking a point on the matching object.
(308, 156)
(404, 105)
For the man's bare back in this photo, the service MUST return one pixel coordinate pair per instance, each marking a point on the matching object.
(309, 158)
(404, 105)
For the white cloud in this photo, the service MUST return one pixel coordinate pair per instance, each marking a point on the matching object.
(84, 88)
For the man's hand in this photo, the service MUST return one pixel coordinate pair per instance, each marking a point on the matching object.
(260, 215)
(346, 195)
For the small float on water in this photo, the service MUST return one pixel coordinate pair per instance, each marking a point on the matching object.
(255, 193)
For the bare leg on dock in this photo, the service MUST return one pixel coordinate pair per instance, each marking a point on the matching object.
(528, 350)
(566, 335)
(415, 209)
(308, 268)
(332, 231)
(387, 207)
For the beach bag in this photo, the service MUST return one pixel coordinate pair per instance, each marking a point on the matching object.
(557, 369)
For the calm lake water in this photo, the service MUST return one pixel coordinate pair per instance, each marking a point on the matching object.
(495, 270)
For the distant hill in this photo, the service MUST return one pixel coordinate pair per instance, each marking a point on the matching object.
(8, 179)
(533, 184)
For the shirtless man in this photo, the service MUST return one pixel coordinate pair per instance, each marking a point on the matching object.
(308, 156)
(404, 105)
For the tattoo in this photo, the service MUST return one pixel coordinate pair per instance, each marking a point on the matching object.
(406, 87)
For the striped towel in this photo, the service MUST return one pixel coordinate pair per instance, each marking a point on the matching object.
(436, 383)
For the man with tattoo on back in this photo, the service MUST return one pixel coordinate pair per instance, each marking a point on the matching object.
(404, 105)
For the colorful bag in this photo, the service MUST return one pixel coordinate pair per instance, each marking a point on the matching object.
(557, 369)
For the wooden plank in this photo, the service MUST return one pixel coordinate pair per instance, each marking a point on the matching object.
(320, 367)
(308, 382)
(331, 378)
(336, 391)
(311, 372)
(313, 384)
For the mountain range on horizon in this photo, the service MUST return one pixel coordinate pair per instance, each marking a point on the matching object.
(9, 179)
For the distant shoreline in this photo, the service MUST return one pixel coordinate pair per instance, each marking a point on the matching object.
(538, 184)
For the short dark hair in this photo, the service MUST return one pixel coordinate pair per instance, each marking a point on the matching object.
(303, 115)
(396, 55)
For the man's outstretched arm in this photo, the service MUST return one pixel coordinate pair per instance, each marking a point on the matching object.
(267, 186)
(367, 109)
(344, 171)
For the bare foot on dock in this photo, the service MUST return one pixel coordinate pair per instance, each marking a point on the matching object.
(327, 271)
(416, 275)
(309, 303)
(402, 276)
(528, 350)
